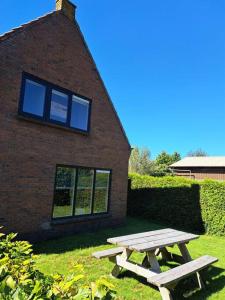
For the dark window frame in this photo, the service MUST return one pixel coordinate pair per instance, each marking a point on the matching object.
(75, 192)
(45, 119)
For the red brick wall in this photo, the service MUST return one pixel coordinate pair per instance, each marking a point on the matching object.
(53, 50)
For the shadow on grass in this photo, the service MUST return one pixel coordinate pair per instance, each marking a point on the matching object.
(214, 282)
(188, 288)
(93, 239)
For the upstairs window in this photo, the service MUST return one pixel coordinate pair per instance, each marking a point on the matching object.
(80, 191)
(51, 104)
(59, 106)
(34, 98)
(79, 113)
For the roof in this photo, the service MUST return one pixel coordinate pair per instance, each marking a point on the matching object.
(22, 27)
(200, 161)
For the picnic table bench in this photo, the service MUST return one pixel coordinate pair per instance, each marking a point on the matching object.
(151, 244)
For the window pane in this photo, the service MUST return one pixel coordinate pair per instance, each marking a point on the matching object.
(79, 113)
(64, 192)
(59, 104)
(84, 191)
(34, 98)
(101, 191)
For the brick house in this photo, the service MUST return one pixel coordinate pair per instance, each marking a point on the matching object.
(64, 153)
(209, 167)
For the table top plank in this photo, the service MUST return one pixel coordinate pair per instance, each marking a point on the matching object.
(116, 240)
(152, 245)
(151, 240)
(143, 240)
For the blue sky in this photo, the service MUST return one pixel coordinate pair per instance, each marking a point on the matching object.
(163, 63)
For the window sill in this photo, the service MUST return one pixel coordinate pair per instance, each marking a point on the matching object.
(69, 220)
(37, 121)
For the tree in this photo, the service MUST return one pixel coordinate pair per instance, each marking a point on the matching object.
(175, 157)
(198, 152)
(164, 160)
(140, 161)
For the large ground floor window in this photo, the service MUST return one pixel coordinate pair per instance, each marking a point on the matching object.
(81, 191)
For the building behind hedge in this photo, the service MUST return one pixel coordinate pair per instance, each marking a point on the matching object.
(64, 153)
(205, 167)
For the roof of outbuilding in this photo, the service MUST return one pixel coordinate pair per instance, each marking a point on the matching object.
(200, 161)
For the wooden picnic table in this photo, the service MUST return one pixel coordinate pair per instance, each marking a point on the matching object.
(151, 244)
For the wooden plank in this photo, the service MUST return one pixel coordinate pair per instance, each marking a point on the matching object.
(143, 240)
(108, 252)
(187, 257)
(117, 269)
(118, 239)
(185, 253)
(200, 281)
(155, 267)
(165, 254)
(145, 262)
(165, 293)
(135, 268)
(177, 258)
(163, 243)
(173, 275)
(157, 252)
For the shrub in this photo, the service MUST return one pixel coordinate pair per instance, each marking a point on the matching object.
(212, 201)
(192, 205)
(20, 280)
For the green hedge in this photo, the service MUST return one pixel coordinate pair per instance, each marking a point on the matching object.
(197, 206)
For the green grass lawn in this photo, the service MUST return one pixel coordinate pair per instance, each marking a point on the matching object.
(60, 255)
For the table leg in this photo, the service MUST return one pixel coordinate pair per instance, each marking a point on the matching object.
(145, 262)
(165, 293)
(169, 256)
(184, 252)
(157, 251)
(166, 254)
(117, 269)
(187, 257)
(153, 262)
